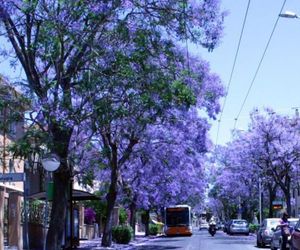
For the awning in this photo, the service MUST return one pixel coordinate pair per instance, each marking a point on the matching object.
(77, 195)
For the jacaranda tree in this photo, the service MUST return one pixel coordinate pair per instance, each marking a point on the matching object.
(268, 151)
(63, 46)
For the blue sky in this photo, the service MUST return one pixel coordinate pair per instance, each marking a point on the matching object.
(278, 82)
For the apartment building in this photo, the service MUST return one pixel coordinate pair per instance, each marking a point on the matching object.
(11, 193)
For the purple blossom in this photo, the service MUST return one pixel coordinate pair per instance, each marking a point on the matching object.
(89, 216)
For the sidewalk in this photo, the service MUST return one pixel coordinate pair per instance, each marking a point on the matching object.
(95, 244)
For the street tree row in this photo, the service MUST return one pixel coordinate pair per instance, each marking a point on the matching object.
(113, 92)
(268, 152)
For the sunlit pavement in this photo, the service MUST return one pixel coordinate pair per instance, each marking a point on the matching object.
(201, 240)
(95, 244)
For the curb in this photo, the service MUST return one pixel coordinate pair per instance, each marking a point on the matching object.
(95, 243)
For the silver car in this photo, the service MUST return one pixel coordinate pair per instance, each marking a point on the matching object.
(239, 227)
(265, 233)
(277, 238)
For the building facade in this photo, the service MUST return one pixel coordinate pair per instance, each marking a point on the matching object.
(11, 193)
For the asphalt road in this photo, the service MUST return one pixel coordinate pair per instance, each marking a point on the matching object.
(201, 240)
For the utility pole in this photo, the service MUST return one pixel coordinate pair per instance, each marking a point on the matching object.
(240, 209)
(260, 201)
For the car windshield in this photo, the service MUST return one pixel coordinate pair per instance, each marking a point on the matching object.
(292, 223)
(240, 222)
(273, 223)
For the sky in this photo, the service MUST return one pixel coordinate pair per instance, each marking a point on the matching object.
(277, 84)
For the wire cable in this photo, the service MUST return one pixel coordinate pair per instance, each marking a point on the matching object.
(232, 70)
(259, 65)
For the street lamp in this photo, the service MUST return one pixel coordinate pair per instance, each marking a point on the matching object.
(50, 163)
(289, 14)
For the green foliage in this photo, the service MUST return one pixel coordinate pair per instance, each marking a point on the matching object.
(183, 94)
(253, 227)
(122, 216)
(154, 229)
(122, 234)
(35, 212)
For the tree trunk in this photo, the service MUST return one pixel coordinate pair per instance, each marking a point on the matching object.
(133, 216)
(111, 200)
(2, 218)
(147, 220)
(287, 195)
(272, 197)
(288, 203)
(59, 209)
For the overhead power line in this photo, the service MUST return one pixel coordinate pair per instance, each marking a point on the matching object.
(232, 70)
(259, 65)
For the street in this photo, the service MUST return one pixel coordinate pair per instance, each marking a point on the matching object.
(201, 240)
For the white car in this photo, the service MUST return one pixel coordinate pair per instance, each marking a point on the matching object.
(203, 225)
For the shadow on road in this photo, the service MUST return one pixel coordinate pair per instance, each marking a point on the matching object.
(156, 247)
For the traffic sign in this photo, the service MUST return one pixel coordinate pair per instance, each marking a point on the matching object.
(12, 177)
(277, 205)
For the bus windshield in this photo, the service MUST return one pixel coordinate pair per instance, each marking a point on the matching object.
(177, 216)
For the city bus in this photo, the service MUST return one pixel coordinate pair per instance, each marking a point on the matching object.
(178, 220)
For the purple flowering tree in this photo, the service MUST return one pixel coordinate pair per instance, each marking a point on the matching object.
(69, 49)
(89, 215)
(167, 166)
(122, 125)
(234, 180)
(277, 150)
(269, 151)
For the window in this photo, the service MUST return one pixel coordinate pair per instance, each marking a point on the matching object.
(13, 128)
(11, 166)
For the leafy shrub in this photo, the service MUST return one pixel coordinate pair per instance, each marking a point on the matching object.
(122, 234)
(122, 216)
(89, 215)
(153, 229)
(253, 227)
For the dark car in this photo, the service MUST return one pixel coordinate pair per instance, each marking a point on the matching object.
(265, 232)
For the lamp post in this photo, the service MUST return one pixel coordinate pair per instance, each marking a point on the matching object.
(260, 201)
(289, 14)
(50, 164)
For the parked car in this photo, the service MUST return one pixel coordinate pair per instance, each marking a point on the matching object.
(295, 237)
(277, 238)
(238, 227)
(203, 225)
(265, 233)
